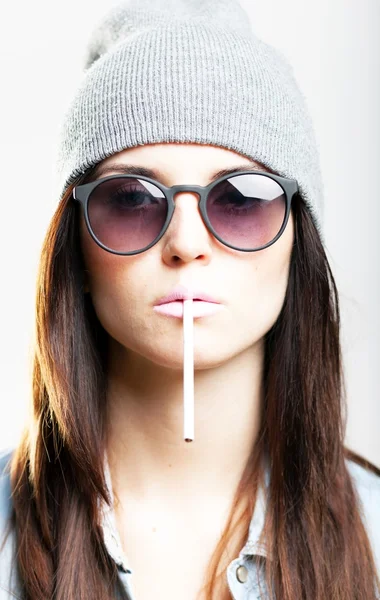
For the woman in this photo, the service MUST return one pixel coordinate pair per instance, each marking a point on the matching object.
(102, 498)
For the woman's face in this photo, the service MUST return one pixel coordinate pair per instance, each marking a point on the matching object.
(250, 285)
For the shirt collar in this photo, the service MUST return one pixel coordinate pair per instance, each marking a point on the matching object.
(112, 539)
(255, 545)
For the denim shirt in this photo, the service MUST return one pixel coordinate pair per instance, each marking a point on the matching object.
(243, 572)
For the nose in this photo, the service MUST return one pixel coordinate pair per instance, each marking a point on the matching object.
(187, 236)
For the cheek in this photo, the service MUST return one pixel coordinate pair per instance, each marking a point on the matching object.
(260, 299)
(103, 268)
(117, 285)
(261, 285)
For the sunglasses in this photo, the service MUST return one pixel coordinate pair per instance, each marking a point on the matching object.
(128, 214)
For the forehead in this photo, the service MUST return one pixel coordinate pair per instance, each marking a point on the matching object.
(175, 163)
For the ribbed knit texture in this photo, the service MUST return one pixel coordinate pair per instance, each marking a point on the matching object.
(188, 71)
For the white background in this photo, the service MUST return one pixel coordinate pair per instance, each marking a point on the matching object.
(334, 48)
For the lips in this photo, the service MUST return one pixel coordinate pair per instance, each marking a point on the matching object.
(180, 292)
(199, 308)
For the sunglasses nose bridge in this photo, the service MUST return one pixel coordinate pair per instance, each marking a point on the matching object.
(195, 189)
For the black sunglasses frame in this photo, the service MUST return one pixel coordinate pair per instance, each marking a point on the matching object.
(81, 193)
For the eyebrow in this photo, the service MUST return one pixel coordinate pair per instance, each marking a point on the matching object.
(102, 170)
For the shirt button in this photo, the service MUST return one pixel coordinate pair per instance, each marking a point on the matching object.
(242, 574)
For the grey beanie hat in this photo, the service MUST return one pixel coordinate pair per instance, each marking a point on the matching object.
(188, 71)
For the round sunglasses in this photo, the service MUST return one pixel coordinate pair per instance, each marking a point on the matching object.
(128, 214)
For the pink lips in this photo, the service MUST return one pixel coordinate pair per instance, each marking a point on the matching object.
(172, 304)
(180, 292)
(200, 308)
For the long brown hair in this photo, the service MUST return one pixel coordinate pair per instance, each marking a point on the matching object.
(318, 545)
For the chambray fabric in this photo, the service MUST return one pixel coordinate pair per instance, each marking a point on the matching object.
(367, 485)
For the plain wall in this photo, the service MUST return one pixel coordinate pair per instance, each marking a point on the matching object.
(335, 52)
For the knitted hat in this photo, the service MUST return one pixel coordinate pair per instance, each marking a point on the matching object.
(188, 71)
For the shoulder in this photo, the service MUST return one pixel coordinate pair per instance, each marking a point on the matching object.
(9, 583)
(367, 485)
(5, 490)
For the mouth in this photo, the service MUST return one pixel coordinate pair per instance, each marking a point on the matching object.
(181, 292)
(201, 308)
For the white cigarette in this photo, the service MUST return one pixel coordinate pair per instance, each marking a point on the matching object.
(188, 371)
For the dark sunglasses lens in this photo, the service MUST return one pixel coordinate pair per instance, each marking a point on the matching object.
(247, 211)
(127, 214)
